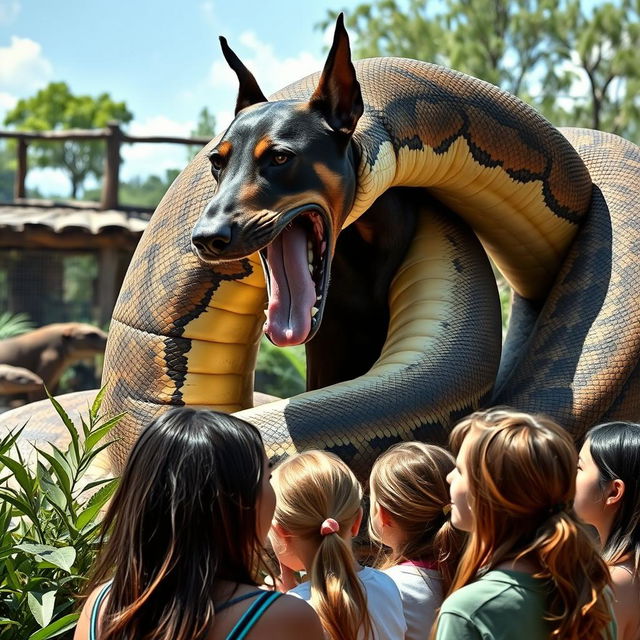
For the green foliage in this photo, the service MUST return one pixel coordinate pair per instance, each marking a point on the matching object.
(140, 192)
(7, 172)
(579, 63)
(13, 324)
(49, 527)
(205, 128)
(280, 371)
(55, 107)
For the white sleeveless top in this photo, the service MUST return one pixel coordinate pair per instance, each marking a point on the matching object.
(421, 592)
(383, 600)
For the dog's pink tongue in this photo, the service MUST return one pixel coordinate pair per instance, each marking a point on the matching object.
(292, 291)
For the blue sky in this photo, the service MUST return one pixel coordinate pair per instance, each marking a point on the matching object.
(162, 57)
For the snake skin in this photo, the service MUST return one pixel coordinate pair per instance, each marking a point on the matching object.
(515, 179)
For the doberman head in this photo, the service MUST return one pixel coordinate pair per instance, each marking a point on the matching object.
(286, 181)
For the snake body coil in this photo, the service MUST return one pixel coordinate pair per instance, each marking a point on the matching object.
(188, 333)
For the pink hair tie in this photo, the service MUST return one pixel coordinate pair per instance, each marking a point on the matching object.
(329, 526)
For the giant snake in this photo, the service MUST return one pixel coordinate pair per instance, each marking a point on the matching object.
(556, 210)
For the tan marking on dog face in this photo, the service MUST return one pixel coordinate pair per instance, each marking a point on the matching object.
(225, 148)
(334, 187)
(248, 192)
(335, 192)
(262, 146)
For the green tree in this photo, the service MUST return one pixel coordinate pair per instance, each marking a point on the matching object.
(602, 47)
(545, 51)
(140, 192)
(55, 107)
(205, 128)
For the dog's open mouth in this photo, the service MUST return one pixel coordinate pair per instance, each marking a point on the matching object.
(296, 267)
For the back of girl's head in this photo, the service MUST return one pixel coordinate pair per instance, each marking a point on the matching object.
(615, 449)
(409, 481)
(183, 517)
(310, 488)
(521, 478)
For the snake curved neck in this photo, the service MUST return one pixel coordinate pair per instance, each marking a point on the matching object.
(511, 175)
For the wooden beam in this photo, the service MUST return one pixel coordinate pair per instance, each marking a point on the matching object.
(43, 238)
(100, 134)
(19, 190)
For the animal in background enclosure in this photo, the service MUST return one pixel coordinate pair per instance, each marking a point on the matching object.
(49, 350)
(18, 380)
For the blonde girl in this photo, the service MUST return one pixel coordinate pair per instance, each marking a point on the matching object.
(409, 514)
(530, 570)
(608, 497)
(318, 511)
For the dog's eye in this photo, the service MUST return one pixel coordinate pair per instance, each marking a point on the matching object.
(216, 161)
(280, 158)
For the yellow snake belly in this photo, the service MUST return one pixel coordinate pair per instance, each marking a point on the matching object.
(187, 334)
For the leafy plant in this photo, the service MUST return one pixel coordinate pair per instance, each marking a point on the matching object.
(50, 515)
(13, 324)
(280, 371)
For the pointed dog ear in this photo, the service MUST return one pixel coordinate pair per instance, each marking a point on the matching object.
(249, 92)
(338, 96)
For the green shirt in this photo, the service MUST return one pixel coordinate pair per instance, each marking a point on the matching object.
(501, 605)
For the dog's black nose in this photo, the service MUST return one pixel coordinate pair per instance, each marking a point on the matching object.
(211, 243)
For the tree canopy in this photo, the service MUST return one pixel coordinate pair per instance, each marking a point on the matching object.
(578, 62)
(55, 107)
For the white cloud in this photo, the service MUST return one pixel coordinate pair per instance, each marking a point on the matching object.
(7, 102)
(142, 159)
(23, 68)
(208, 10)
(9, 10)
(271, 72)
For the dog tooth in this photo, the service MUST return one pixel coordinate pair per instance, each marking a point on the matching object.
(314, 310)
(310, 269)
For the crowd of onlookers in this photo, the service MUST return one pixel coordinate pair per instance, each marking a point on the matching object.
(509, 535)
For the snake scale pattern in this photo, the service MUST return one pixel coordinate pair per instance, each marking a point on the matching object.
(558, 212)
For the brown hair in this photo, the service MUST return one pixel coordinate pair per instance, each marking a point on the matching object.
(183, 518)
(521, 481)
(311, 487)
(409, 481)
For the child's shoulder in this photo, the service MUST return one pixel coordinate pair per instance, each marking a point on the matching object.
(378, 581)
(291, 618)
(502, 592)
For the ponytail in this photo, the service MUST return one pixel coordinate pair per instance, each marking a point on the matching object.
(449, 544)
(337, 594)
(564, 550)
(317, 499)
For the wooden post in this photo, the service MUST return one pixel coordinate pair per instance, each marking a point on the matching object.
(107, 284)
(19, 190)
(111, 182)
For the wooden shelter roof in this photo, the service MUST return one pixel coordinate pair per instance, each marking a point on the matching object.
(68, 225)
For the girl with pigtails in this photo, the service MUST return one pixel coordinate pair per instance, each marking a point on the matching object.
(318, 511)
(530, 570)
(410, 516)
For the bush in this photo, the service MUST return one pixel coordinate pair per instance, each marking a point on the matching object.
(280, 371)
(13, 324)
(49, 528)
